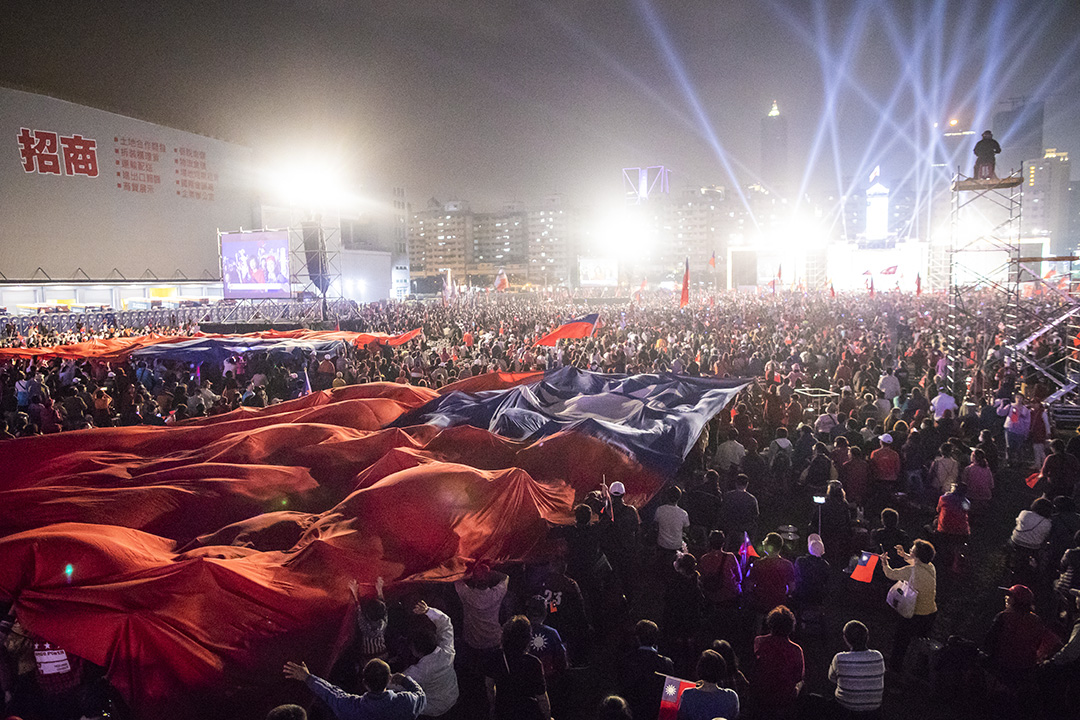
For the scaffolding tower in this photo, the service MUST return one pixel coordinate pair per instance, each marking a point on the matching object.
(1038, 327)
(967, 272)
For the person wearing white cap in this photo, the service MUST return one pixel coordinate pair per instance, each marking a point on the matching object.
(620, 538)
(811, 574)
(884, 465)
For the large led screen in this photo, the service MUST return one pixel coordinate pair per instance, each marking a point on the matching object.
(598, 272)
(255, 264)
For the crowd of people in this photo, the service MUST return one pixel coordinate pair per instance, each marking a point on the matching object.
(852, 450)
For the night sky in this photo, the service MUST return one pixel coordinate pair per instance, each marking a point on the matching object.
(499, 100)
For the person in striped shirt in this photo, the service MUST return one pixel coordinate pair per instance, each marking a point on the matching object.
(859, 674)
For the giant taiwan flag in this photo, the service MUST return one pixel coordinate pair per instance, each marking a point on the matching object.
(192, 561)
(583, 326)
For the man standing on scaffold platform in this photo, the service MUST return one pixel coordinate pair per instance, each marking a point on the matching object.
(985, 152)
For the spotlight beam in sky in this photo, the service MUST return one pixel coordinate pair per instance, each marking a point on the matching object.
(675, 66)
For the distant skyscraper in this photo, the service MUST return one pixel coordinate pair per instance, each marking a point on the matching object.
(774, 150)
(1020, 132)
(1046, 200)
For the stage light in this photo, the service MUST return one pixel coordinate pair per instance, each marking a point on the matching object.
(69, 571)
(624, 234)
(310, 184)
(953, 122)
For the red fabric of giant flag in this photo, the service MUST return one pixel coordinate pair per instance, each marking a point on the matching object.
(583, 326)
(127, 546)
(864, 570)
(684, 298)
(671, 696)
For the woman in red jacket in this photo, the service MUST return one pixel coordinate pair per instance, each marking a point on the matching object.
(952, 526)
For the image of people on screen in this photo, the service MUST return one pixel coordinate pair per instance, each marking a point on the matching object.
(255, 265)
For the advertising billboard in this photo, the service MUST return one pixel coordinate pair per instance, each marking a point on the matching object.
(598, 272)
(84, 189)
(255, 264)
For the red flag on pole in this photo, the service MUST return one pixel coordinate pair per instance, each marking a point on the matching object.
(712, 261)
(918, 284)
(641, 290)
(671, 695)
(891, 270)
(832, 290)
(780, 272)
(871, 286)
(684, 299)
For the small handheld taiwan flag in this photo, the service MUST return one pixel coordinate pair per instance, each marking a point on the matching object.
(671, 695)
(864, 569)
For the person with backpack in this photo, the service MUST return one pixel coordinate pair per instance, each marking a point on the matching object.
(780, 456)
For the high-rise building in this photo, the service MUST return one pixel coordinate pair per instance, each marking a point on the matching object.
(1046, 200)
(500, 241)
(774, 171)
(440, 239)
(533, 243)
(1020, 132)
(399, 245)
(552, 241)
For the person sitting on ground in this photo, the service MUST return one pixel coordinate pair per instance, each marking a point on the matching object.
(1016, 637)
(859, 673)
(376, 702)
(708, 700)
(1033, 527)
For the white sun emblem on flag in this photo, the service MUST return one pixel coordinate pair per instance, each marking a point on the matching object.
(538, 642)
(669, 690)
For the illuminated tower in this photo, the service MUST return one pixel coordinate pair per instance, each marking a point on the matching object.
(774, 151)
(877, 213)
